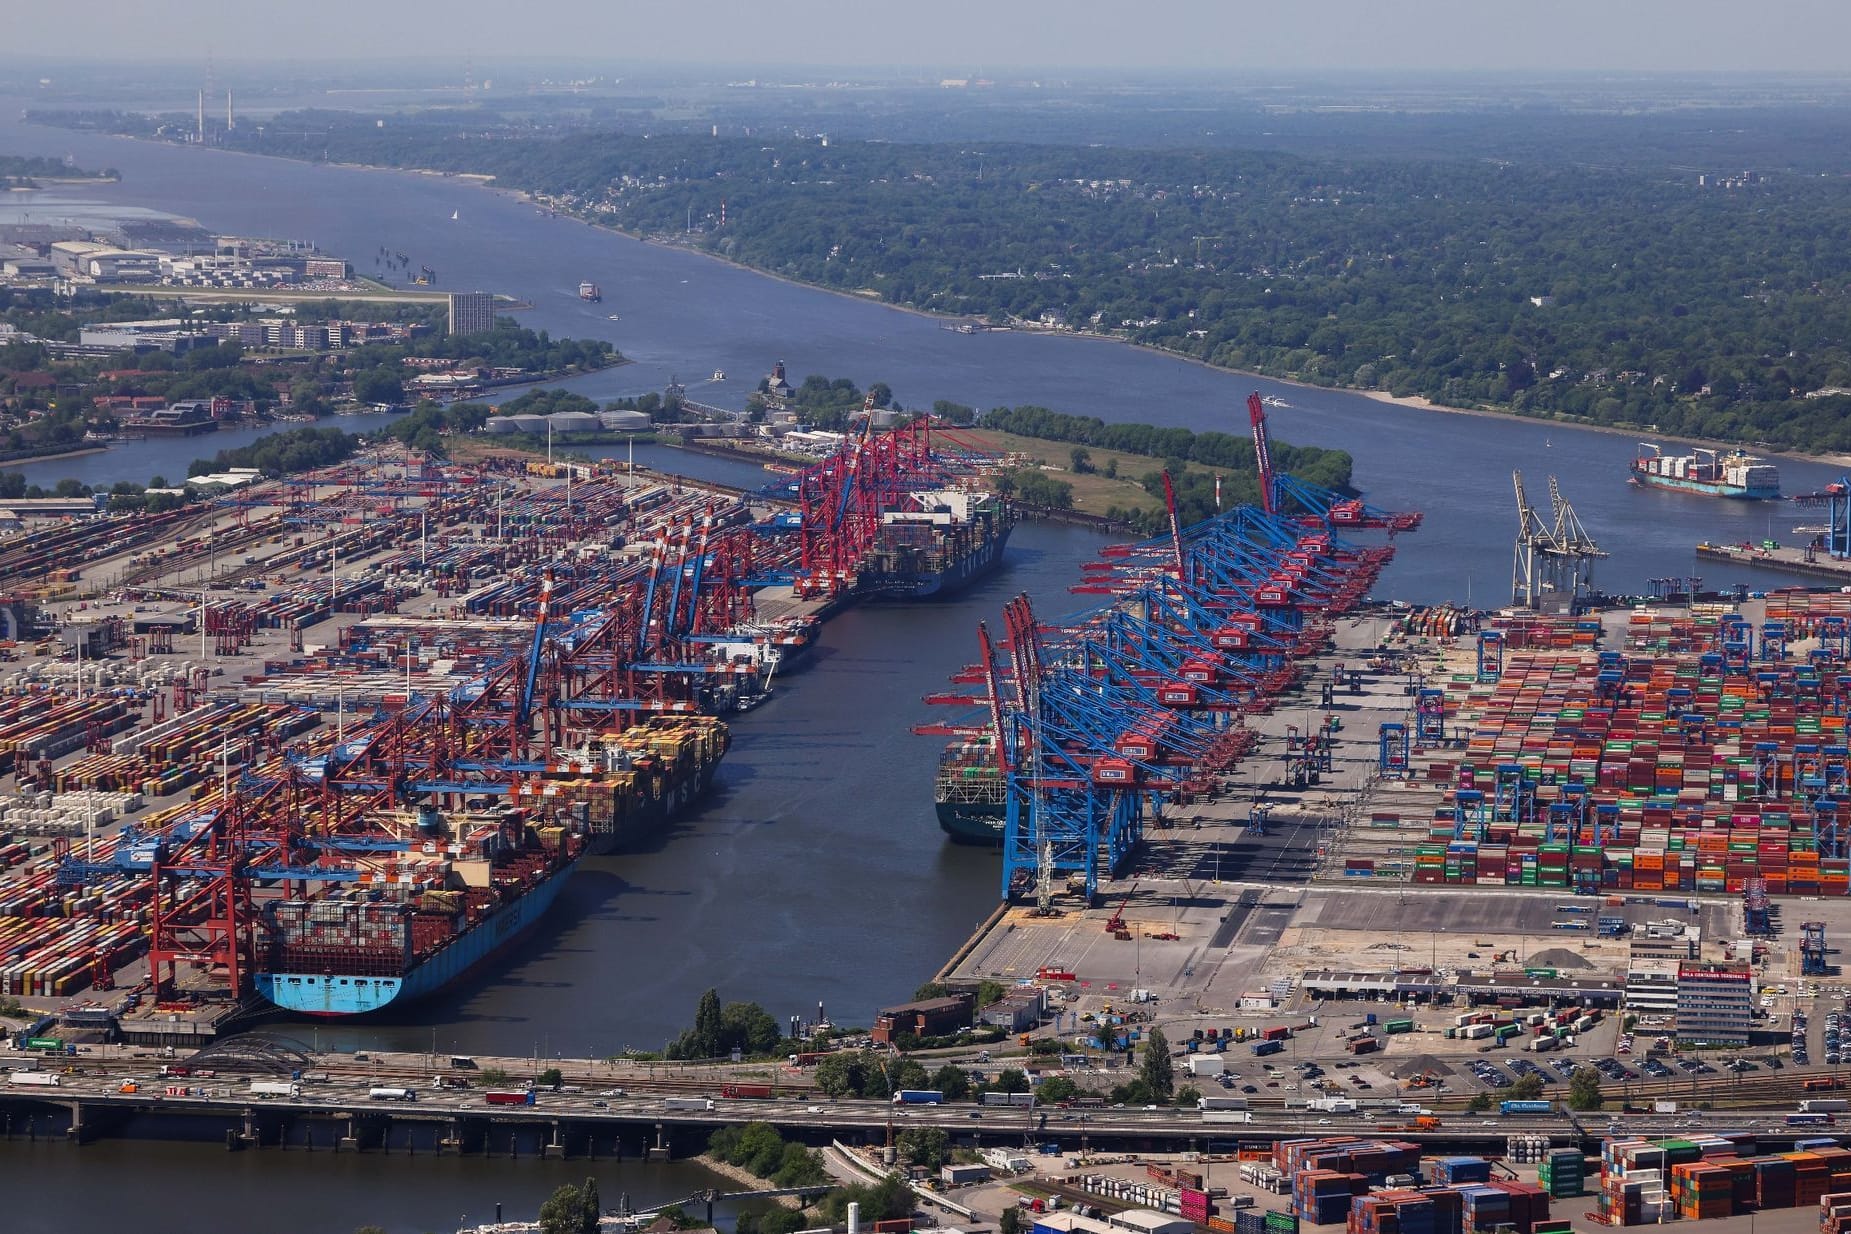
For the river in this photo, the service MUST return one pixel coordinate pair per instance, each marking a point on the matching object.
(818, 874)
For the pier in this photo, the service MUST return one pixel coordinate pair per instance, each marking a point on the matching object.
(1802, 561)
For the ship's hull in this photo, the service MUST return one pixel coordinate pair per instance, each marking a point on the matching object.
(973, 822)
(1708, 488)
(346, 994)
(938, 584)
(320, 994)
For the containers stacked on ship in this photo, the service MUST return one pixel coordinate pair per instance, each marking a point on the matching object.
(405, 932)
(949, 540)
(970, 793)
(1709, 472)
(625, 788)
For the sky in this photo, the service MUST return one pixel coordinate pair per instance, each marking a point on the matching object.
(961, 37)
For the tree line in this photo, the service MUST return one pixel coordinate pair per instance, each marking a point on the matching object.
(1611, 294)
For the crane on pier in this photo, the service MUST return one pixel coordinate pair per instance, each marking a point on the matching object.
(1552, 564)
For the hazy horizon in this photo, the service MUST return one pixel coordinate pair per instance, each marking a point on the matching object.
(966, 37)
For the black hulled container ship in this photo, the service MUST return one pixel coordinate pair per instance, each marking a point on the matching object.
(971, 794)
(952, 538)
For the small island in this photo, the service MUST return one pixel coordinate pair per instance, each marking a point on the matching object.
(19, 171)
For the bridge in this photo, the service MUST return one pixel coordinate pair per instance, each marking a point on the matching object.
(342, 1115)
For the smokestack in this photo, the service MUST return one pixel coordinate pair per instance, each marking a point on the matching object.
(231, 118)
(854, 1218)
(202, 116)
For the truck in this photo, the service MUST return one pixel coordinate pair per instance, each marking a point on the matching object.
(1334, 1105)
(392, 1094)
(1207, 1064)
(759, 1092)
(1227, 1116)
(1664, 1107)
(523, 1096)
(1526, 1107)
(35, 1079)
(1362, 1045)
(1220, 1103)
(1263, 1048)
(919, 1096)
(275, 1088)
(687, 1103)
(1824, 1105)
(1279, 1033)
(1007, 1099)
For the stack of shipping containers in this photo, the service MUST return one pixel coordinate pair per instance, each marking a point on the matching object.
(1663, 740)
(1643, 1183)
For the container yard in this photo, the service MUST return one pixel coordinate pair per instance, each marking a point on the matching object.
(1518, 830)
(329, 741)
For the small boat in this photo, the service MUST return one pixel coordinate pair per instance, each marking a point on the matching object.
(719, 375)
(455, 214)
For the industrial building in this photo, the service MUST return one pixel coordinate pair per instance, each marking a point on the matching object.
(931, 1017)
(170, 335)
(1017, 1011)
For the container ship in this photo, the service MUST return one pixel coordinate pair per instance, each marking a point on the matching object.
(1735, 474)
(464, 886)
(970, 793)
(772, 648)
(949, 541)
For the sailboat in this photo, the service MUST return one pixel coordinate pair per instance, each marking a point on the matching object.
(454, 215)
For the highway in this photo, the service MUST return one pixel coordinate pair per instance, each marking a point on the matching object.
(348, 1096)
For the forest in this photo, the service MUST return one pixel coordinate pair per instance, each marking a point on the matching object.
(1614, 294)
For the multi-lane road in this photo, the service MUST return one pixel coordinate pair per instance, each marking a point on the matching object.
(350, 1095)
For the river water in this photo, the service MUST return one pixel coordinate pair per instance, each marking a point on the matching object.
(817, 874)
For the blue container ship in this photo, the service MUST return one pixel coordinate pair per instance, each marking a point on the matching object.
(453, 890)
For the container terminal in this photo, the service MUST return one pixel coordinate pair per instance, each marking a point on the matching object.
(330, 741)
(1294, 826)
(1561, 808)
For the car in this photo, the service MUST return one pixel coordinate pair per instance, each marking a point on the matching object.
(600, 1105)
(612, 1092)
(1249, 1088)
(976, 1114)
(812, 1109)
